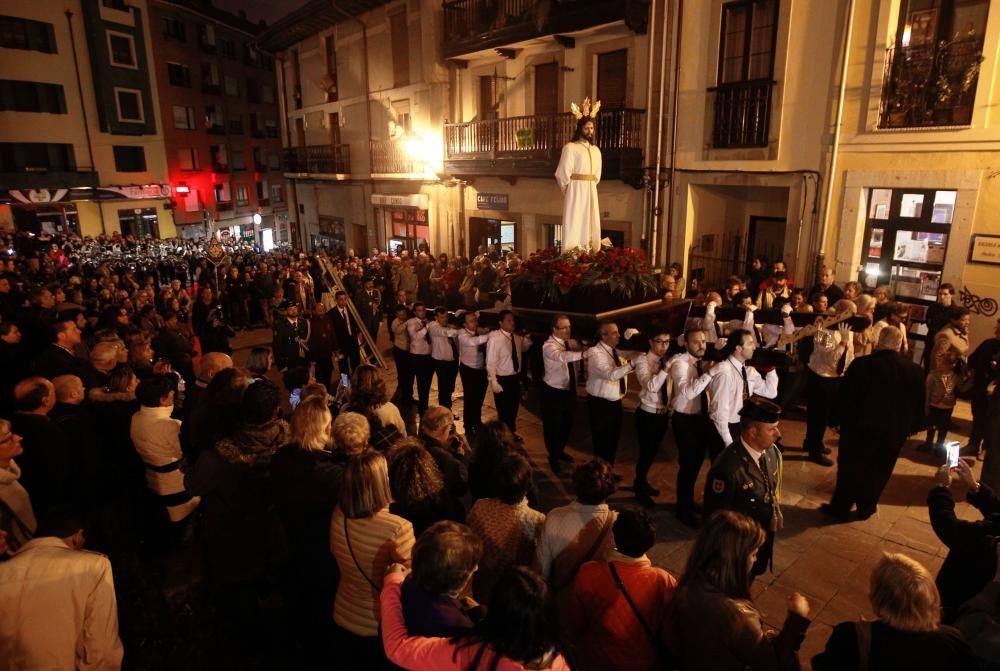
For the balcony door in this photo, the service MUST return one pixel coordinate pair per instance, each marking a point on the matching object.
(612, 78)
(547, 88)
(334, 123)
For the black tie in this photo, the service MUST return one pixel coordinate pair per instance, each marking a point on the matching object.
(513, 354)
(746, 385)
(571, 366)
(343, 314)
(618, 364)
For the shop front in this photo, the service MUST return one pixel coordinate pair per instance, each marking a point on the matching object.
(403, 222)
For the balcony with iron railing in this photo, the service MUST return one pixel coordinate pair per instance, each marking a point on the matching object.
(52, 177)
(930, 85)
(389, 157)
(324, 159)
(742, 114)
(530, 146)
(474, 25)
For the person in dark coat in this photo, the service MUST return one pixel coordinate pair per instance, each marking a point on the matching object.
(347, 330)
(291, 337)
(449, 451)
(58, 357)
(14, 365)
(172, 344)
(983, 363)
(216, 333)
(908, 633)
(322, 344)
(745, 475)
(369, 303)
(971, 560)
(46, 465)
(880, 402)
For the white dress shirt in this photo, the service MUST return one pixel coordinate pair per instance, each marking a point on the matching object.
(469, 353)
(59, 609)
(726, 397)
(441, 341)
(400, 336)
(686, 385)
(417, 330)
(652, 375)
(498, 359)
(558, 357)
(828, 348)
(603, 375)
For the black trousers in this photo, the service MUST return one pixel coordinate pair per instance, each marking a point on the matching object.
(606, 426)
(509, 400)
(474, 383)
(695, 436)
(324, 370)
(352, 357)
(558, 407)
(404, 375)
(423, 371)
(820, 395)
(446, 372)
(980, 416)
(940, 419)
(650, 429)
(864, 466)
(715, 443)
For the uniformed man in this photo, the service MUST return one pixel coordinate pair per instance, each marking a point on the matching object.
(291, 337)
(746, 477)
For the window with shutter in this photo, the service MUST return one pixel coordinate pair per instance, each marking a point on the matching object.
(547, 88)
(612, 78)
(400, 48)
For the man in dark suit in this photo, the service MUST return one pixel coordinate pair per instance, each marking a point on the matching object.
(291, 336)
(58, 357)
(322, 343)
(46, 464)
(880, 402)
(369, 303)
(346, 328)
(745, 476)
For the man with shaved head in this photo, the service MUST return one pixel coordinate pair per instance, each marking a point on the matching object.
(103, 360)
(211, 365)
(45, 464)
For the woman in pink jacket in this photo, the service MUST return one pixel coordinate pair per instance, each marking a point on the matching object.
(518, 632)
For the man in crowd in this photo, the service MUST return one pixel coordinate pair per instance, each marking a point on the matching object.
(746, 476)
(827, 286)
(400, 339)
(322, 343)
(291, 338)
(879, 403)
(651, 416)
(734, 383)
(606, 386)
(504, 366)
(58, 357)
(444, 354)
(832, 353)
(420, 355)
(693, 432)
(47, 462)
(345, 326)
(59, 607)
(558, 391)
(472, 369)
(896, 314)
(369, 303)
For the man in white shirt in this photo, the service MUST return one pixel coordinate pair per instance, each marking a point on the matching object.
(558, 391)
(734, 383)
(401, 355)
(59, 609)
(504, 363)
(896, 318)
(420, 355)
(651, 416)
(606, 373)
(833, 351)
(472, 369)
(444, 354)
(693, 433)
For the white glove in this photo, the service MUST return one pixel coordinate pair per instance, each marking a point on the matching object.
(786, 309)
(630, 332)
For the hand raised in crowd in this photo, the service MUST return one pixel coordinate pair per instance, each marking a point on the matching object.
(396, 568)
(966, 475)
(943, 476)
(162, 368)
(845, 332)
(798, 604)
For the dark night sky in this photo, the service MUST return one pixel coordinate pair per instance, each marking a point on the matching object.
(269, 10)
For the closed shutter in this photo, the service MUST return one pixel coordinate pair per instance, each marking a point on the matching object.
(547, 88)
(612, 77)
(400, 49)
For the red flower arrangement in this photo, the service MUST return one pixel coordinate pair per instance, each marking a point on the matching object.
(622, 272)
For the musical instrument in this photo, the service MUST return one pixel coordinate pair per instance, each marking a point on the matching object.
(812, 329)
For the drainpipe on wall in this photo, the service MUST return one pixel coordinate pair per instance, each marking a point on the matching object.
(288, 145)
(673, 128)
(83, 110)
(659, 141)
(848, 31)
(647, 228)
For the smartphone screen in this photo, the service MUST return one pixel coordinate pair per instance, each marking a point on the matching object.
(952, 448)
(344, 380)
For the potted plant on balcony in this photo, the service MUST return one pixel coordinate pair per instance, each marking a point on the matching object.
(958, 73)
(584, 281)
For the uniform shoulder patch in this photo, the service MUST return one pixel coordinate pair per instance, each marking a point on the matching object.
(718, 486)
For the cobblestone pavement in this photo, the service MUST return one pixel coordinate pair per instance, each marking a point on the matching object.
(829, 563)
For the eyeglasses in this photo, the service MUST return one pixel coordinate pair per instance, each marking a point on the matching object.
(661, 341)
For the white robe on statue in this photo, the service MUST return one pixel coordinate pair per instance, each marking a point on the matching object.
(578, 173)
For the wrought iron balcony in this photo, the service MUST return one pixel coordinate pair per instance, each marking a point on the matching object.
(930, 85)
(389, 157)
(327, 159)
(223, 205)
(473, 25)
(530, 146)
(742, 114)
(57, 177)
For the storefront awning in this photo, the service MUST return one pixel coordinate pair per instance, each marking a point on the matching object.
(418, 200)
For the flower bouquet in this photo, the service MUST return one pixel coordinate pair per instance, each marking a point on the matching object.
(583, 281)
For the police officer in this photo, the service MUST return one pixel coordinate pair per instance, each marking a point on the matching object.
(746, 477)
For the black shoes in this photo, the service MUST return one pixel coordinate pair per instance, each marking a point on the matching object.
(835, 513)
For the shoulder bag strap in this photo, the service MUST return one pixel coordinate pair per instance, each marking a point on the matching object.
(863, 630)
(565, 579)
(350, 549)
(638, 615)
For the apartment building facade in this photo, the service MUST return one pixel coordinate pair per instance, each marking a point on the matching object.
(81, 149)
(218, 102)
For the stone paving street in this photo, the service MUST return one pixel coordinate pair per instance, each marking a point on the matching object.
(829, 563)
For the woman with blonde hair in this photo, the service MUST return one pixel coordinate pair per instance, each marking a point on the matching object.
(714, 624)
(908, 633)
(17, 517)
(367, 396)
(351, 433)
(306, 478)
(366, 539)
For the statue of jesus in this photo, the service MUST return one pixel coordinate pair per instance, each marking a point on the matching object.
(578, 173)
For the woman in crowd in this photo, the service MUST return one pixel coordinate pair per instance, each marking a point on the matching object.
(518, 631)
(350, 433)
(953, 337)
(508, 526)
(367, 396)
(714, 625)
(306, 478)
(494, 442)
(365, 538)
(417, 487)
(17, 517)
(260, 361)
(908, 633)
